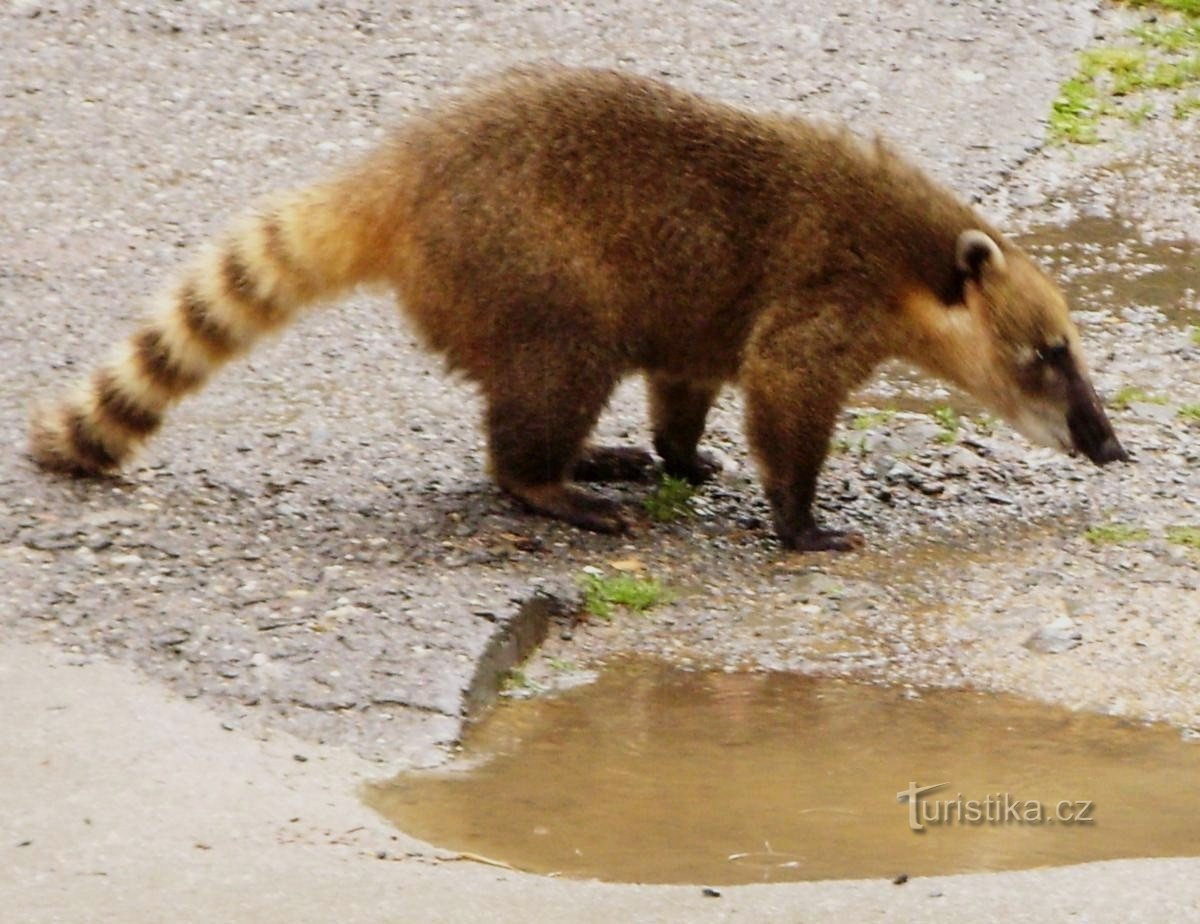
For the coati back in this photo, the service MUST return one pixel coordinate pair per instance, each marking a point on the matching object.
(560, 229)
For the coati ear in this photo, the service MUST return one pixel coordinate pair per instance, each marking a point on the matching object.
(977, 252)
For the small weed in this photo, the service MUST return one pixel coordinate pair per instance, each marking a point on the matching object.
(516, 679)
(601, 594)
(857, 446)
(1116, 533)
(1131, 394)
(1185, 107)
(1196, 336)
(1184, 535)
(560, 664)
(865, 420)
(1124, 67)
(1187, 7)
(948, 420)
(1190, 412)
(1075, 114)
(1169, 37)
(1137, 116)
(670, 501)
(985, 424)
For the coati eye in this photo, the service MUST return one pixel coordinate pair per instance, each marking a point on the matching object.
(1052, 355)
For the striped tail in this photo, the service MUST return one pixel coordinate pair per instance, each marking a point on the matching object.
(309, 245)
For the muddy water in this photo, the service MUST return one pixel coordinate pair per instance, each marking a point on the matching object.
(657, 775)
(1104, 264)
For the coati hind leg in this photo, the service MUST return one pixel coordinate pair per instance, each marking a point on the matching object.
(678, 409)
(537, 419)
(796, 375)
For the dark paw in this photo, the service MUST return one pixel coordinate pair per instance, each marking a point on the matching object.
(815, 539)
(700, 468)
(575, 506)
(614, 463)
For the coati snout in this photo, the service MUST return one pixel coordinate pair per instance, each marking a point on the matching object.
(558, 229)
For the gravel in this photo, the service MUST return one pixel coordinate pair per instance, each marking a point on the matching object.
(310, 542)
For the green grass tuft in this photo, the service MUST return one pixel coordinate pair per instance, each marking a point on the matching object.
(601, 594)
(1184, 535)
(1075, 114)
(986, 424)
(1186, 7)
(865, 420)
(1185, 107)
(516, 679)
(1131, 394)
(948, 420)
(1171, 38)
(1166, 57)
(1112, 533)
(671, 500)
(1190, 412)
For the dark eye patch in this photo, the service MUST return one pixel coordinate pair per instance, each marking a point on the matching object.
(1057, 355)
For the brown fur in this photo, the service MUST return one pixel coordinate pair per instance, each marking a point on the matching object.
(560, 229)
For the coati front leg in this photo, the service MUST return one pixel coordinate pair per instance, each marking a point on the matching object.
(537, 419)
(796, 375)
(678, 409)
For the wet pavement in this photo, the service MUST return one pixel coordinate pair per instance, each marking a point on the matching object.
(312, 543)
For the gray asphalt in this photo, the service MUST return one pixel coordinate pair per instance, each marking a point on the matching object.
(312, 544)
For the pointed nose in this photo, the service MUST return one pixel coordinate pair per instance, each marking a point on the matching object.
(1091, 432)
(1110, 450)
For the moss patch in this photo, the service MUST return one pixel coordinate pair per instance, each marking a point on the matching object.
(1184, 535)
(1116, 533)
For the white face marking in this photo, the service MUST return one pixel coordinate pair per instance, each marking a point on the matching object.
(1025, 355)
(1042, 424)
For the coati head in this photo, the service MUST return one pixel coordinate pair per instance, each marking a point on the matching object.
(1008, 339)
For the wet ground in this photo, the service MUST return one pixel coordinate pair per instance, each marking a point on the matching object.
(312, 546)
(652, 774)
(313, 542)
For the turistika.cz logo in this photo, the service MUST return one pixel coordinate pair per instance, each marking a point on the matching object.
(995, 809)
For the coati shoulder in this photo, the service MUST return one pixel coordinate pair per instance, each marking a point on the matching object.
(559, 229)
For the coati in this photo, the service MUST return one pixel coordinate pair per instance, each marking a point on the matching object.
(559, 229)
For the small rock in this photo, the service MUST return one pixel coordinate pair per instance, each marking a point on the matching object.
(171, 637)
(1055, 637)
(817, 584)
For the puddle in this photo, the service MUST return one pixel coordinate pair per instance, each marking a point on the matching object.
(1102, 263)
(658, 775)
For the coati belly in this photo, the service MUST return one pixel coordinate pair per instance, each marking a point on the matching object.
(557, 229)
